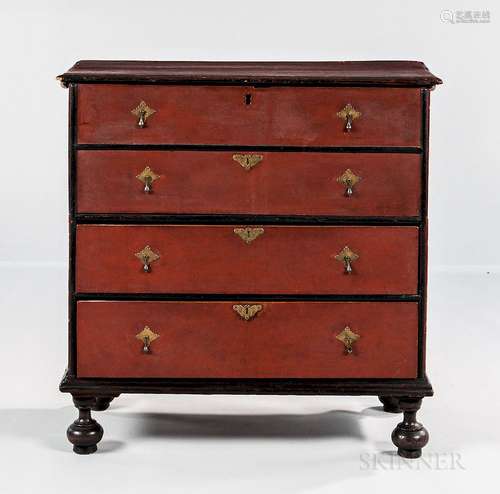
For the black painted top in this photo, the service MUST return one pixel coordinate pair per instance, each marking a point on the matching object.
(368, 73)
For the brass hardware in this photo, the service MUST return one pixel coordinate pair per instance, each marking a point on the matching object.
(348, 337)
(147, 337)
(247, 312)
(142, 111)
(348, 113)
(347, 256)
(248, 235)
(248, 161)
(147, 256)
(147, 177)
(348, 180)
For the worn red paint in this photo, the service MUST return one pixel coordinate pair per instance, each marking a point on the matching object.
(211, 182)
(213, 259)
(278, 116)
(285, 339)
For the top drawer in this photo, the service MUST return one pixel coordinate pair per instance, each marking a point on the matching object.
(239, 115)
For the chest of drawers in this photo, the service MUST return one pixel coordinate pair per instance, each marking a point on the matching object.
(248, 228)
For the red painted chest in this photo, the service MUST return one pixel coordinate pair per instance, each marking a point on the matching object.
(248, 228)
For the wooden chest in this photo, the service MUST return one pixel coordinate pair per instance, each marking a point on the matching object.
(256, 228)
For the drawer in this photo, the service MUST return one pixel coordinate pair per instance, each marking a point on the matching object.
(213, 182)
(282, 339)
(277, 116)
(253, 260)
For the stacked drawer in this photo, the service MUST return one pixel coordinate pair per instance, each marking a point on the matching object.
(319, 280)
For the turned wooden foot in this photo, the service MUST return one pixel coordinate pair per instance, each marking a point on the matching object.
(391, 404)
(410, 436)
(84, 433)
(102, 403)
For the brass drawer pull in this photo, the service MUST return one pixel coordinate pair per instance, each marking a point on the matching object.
(147, 256)
(248, 235)
(147, 177)
(348, 337)
(142, 111)
(347, 256)
(248, 161)
(349, 114)
(147, 337)
(247, 312)
(348, 179)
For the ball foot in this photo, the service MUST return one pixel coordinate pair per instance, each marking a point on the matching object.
(84, 433)
(102, 403)
(391, 404)
(409, 435)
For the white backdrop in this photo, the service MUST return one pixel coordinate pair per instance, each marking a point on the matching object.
(304, 448)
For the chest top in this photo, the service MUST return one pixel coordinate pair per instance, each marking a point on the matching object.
(367, 73)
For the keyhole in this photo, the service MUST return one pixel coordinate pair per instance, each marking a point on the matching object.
(248, 99)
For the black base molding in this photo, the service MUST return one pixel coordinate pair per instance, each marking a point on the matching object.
(418, 387)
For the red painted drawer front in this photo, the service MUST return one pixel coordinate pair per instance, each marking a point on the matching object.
(276, 116)
(213, 259)
(284, 339)
(282, 183)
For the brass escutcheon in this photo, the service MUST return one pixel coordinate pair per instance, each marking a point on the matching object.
(248, 235)
(348, 113)
(347, 256)
(147, 177)
(248, 161)
(147, 337)
(147, 256)
(348, 337)
(247, 312)
(142, 111)
(348, 179)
